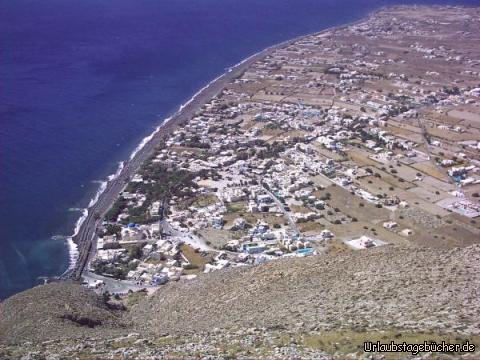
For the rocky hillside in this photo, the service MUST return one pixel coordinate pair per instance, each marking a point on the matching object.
(55, 311)
(315, 307)
(394, 287)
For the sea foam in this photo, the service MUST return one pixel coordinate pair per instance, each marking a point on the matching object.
(73, 252)
(146, 139)
(101, 189)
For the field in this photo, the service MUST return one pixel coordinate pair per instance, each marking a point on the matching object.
(196, 259)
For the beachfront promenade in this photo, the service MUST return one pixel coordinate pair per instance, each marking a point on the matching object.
(85, 238)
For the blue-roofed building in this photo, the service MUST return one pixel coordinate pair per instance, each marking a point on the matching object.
(305, 251)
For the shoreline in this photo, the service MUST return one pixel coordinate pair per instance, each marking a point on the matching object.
(80, 244)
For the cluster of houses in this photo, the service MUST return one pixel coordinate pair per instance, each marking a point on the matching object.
(138, 258)
(277, 136)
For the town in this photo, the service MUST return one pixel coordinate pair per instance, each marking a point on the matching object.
(353, 138)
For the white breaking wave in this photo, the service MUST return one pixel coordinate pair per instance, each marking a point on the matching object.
(198, 93)
(72, 253)
(146, 139)
(72, 247)
(117, 173)
(144, 142)
(101, 189)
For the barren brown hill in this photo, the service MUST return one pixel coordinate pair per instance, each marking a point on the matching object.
(55, 311)
(417, 289)
(294, 307)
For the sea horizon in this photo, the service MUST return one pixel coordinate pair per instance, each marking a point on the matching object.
(59, 147)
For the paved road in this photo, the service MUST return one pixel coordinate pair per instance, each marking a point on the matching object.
(428, 146)
(187, 238)
(114, 286)
(287, 214)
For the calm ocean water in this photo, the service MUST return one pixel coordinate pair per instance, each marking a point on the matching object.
(82, 82)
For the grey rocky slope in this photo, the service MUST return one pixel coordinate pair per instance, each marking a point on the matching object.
(286, 308)
(54, 311)
(392, 287)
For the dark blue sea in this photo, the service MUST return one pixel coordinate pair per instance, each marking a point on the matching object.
(82, 82)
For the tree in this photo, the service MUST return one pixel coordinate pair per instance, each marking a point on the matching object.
(135, 252)
(112, 229)
(106, 297)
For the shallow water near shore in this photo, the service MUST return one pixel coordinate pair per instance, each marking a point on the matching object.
(82, 83)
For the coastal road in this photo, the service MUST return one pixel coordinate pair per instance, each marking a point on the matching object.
(86, 235)
(85, 239)
(114, 286)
